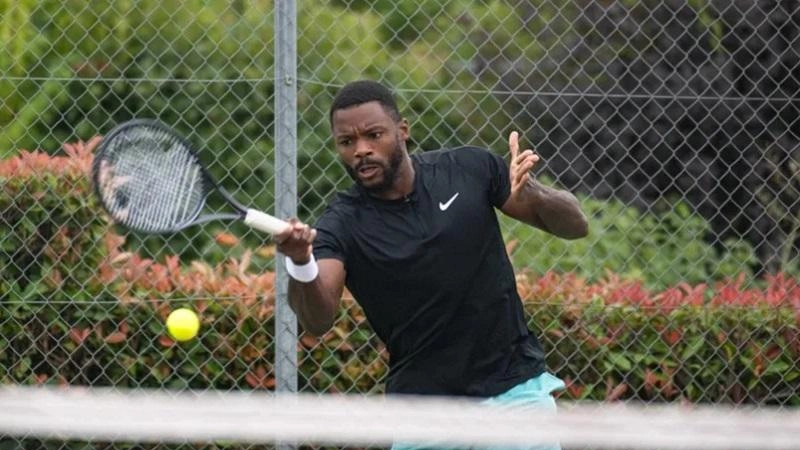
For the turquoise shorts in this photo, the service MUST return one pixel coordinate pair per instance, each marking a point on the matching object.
(534, 393)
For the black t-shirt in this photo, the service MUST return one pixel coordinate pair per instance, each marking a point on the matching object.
(432, 275)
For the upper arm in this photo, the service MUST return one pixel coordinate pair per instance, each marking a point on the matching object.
(331, 249)
(555, 211)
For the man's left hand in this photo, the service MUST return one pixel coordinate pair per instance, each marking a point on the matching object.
(520, 165)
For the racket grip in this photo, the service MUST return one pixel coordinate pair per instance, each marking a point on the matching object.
(264, 222)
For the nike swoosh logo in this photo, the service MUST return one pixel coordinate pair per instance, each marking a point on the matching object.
(444, 206)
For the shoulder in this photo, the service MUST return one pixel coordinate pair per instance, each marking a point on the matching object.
(340, 207)
(474, 160)
(333, 231)
(451, 155)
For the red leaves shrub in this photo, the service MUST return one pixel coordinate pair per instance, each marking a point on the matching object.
(779, 290)
(34, 164)
(730, 341)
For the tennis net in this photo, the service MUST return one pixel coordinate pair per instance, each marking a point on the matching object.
(159, 416)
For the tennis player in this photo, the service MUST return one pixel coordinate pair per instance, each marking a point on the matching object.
(416, 241)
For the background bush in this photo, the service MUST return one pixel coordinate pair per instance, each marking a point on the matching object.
(661, 250)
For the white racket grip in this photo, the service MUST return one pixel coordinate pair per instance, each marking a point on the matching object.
(264, 222)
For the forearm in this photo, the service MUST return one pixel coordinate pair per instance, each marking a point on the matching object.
(315, 287)
(315, 308)
(555, 211)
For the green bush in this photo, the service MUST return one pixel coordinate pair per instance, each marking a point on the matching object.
(661, 249)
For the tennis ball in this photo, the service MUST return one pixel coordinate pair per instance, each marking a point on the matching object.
(183, 324)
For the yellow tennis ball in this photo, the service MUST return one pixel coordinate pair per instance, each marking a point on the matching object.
(183, 324)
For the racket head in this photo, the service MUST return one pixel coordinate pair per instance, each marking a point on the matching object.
(149, 178)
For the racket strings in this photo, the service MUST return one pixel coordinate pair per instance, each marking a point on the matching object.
(156, 182)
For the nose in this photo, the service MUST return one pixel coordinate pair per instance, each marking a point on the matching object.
(362, 148)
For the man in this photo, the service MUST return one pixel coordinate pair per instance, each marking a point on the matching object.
(416, 241)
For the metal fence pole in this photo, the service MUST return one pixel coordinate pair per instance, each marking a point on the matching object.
(285, 184)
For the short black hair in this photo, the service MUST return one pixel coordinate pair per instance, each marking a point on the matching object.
(365, 91)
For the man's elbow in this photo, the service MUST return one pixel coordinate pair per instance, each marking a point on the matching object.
(579, 229)
(317, 329)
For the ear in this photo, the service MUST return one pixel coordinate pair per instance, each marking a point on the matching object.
(403, 128)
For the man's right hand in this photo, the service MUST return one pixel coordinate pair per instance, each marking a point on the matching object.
(295, 241)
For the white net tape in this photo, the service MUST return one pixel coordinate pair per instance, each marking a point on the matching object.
(249, 417)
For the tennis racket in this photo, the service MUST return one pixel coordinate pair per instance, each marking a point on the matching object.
(150, 179)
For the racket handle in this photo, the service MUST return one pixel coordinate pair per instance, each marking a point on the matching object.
(264, 222)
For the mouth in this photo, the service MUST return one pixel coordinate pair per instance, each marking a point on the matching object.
(366, 171)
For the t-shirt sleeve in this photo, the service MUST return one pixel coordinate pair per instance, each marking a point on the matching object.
(490, 169)
(330, 241)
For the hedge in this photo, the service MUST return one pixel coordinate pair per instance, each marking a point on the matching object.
(77, 307)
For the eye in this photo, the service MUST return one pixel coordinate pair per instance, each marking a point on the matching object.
(344, 142)
(376, 134)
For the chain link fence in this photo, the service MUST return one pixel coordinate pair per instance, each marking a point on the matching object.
(675, 122)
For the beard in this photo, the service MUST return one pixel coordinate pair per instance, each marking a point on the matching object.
(389, 170)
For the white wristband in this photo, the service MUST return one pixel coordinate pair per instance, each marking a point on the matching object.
(305, 273)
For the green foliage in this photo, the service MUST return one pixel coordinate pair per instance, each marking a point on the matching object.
(663, 249)
(207, 68)
(210, 77)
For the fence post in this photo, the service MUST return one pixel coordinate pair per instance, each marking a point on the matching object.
(285, 184)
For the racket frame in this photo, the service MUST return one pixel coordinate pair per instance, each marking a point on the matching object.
(254, 218)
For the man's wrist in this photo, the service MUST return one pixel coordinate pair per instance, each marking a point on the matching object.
(304, 273)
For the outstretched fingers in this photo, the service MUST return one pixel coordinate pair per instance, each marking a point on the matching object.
(513, 145)
(521, 162)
